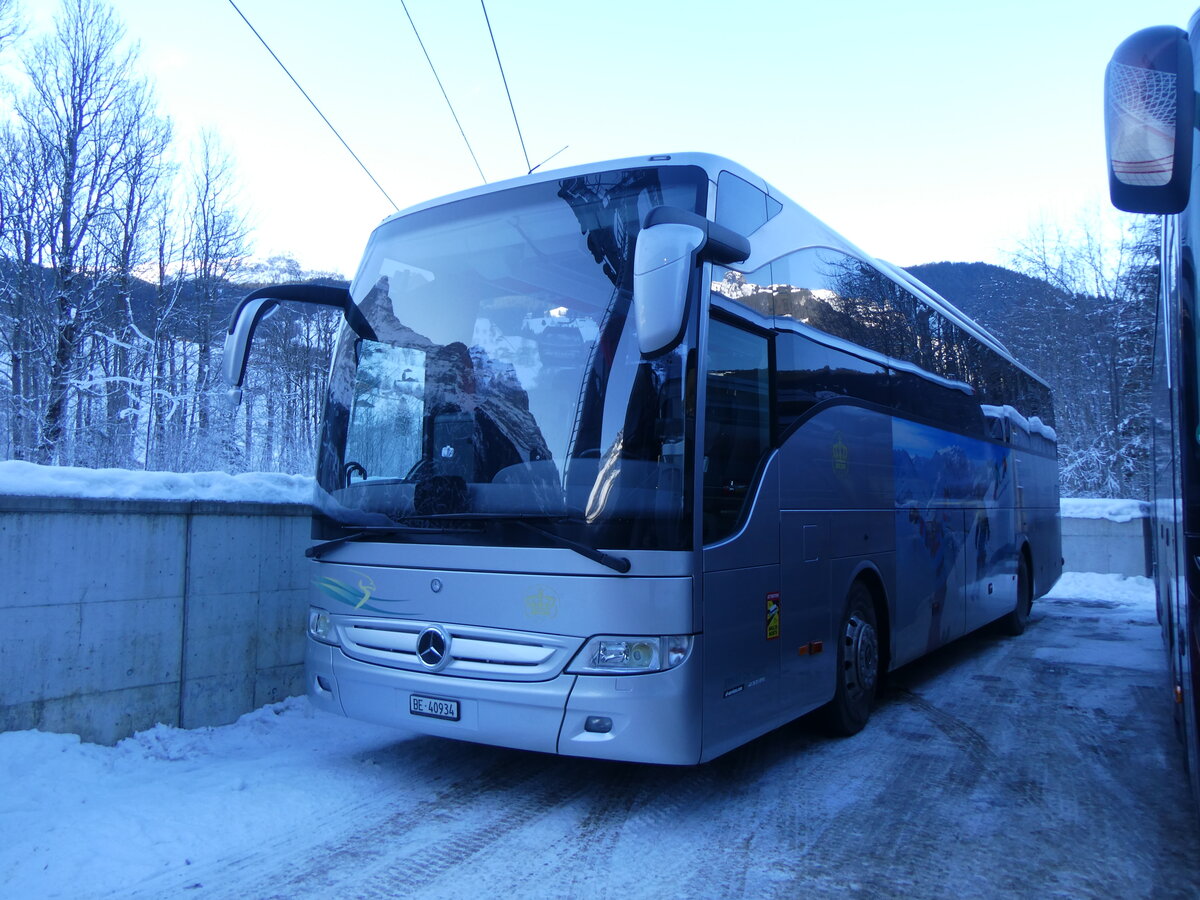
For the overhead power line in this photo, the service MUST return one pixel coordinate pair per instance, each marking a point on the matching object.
(361, 164)
(433, 69)
(507, 92)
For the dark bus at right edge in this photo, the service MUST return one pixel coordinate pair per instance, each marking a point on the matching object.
(1150, 100)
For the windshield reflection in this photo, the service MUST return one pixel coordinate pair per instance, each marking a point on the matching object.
(506, 381)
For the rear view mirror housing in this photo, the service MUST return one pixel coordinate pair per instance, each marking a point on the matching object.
(244, 321)
(668, 247)
(1149, 117)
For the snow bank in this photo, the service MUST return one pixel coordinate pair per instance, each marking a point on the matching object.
(80, 819)
(27, 479)
(1113, 510)
(1129, 592)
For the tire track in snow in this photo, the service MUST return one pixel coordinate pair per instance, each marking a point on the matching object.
(410, 849)
(446, 767)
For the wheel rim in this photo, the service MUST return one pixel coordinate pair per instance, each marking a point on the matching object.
(862, 657)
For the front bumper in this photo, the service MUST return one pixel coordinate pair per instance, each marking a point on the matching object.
(655, 717)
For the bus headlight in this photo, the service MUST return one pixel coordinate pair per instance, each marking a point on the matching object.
(321, 627)
(615, 655)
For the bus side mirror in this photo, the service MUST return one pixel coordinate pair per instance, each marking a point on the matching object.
(259, 304)
(668, 247)
(663, 261)
(1149, 115)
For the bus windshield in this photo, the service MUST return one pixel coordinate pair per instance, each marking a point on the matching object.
(503, 379)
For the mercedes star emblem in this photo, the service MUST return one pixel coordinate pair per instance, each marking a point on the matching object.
(432, 646)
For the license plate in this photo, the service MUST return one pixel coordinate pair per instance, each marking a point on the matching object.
(433, 707)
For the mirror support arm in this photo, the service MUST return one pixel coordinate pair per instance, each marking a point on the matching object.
(258, 304)
(722, 245)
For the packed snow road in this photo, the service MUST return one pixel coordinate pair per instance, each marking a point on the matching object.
(1039, 766)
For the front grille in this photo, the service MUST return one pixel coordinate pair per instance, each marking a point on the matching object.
(474, 652)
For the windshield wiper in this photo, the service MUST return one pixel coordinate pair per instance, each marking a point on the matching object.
(617, 563)
(317, 550)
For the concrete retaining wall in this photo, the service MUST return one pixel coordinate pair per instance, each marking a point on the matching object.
(116, 615)
(1099, 545)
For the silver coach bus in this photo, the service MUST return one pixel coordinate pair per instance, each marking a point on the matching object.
(639, 461)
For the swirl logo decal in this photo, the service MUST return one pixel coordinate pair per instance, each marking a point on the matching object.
(359, 596)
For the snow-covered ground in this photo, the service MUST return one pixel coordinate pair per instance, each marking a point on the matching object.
(997, 768)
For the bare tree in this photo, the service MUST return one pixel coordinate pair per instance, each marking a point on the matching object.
(24, 327)
(124, 333)
(80, 112)
(112, 296)
(11, 23)
(163, 399)
(218, 245)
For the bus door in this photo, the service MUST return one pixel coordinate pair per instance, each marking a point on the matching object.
(741, 536)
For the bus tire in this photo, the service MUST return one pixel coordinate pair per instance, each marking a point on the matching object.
(857, 665)
(1014, 623)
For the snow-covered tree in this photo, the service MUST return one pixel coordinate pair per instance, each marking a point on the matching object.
(118, 273)
(1094, 347)
(79, 114)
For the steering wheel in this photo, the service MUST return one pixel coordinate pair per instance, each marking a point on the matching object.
(420, 464)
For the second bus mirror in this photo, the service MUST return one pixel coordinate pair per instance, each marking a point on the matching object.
(663, 261)
(1149, 114)
(664, 258)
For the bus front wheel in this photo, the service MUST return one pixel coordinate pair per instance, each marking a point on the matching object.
(857, 665)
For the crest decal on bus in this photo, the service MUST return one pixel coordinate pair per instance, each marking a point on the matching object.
(841, 455)
(543, 603)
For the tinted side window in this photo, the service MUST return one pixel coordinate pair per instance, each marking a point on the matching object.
(821, 288)
(850, 299)
(751, 289)
(741, 206)
(810, 373)
(737, 423)
(835, 293)
(947, 407)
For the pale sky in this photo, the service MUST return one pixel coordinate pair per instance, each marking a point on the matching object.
(922, 130)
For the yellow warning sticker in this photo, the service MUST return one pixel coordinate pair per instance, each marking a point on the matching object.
(772, 615)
